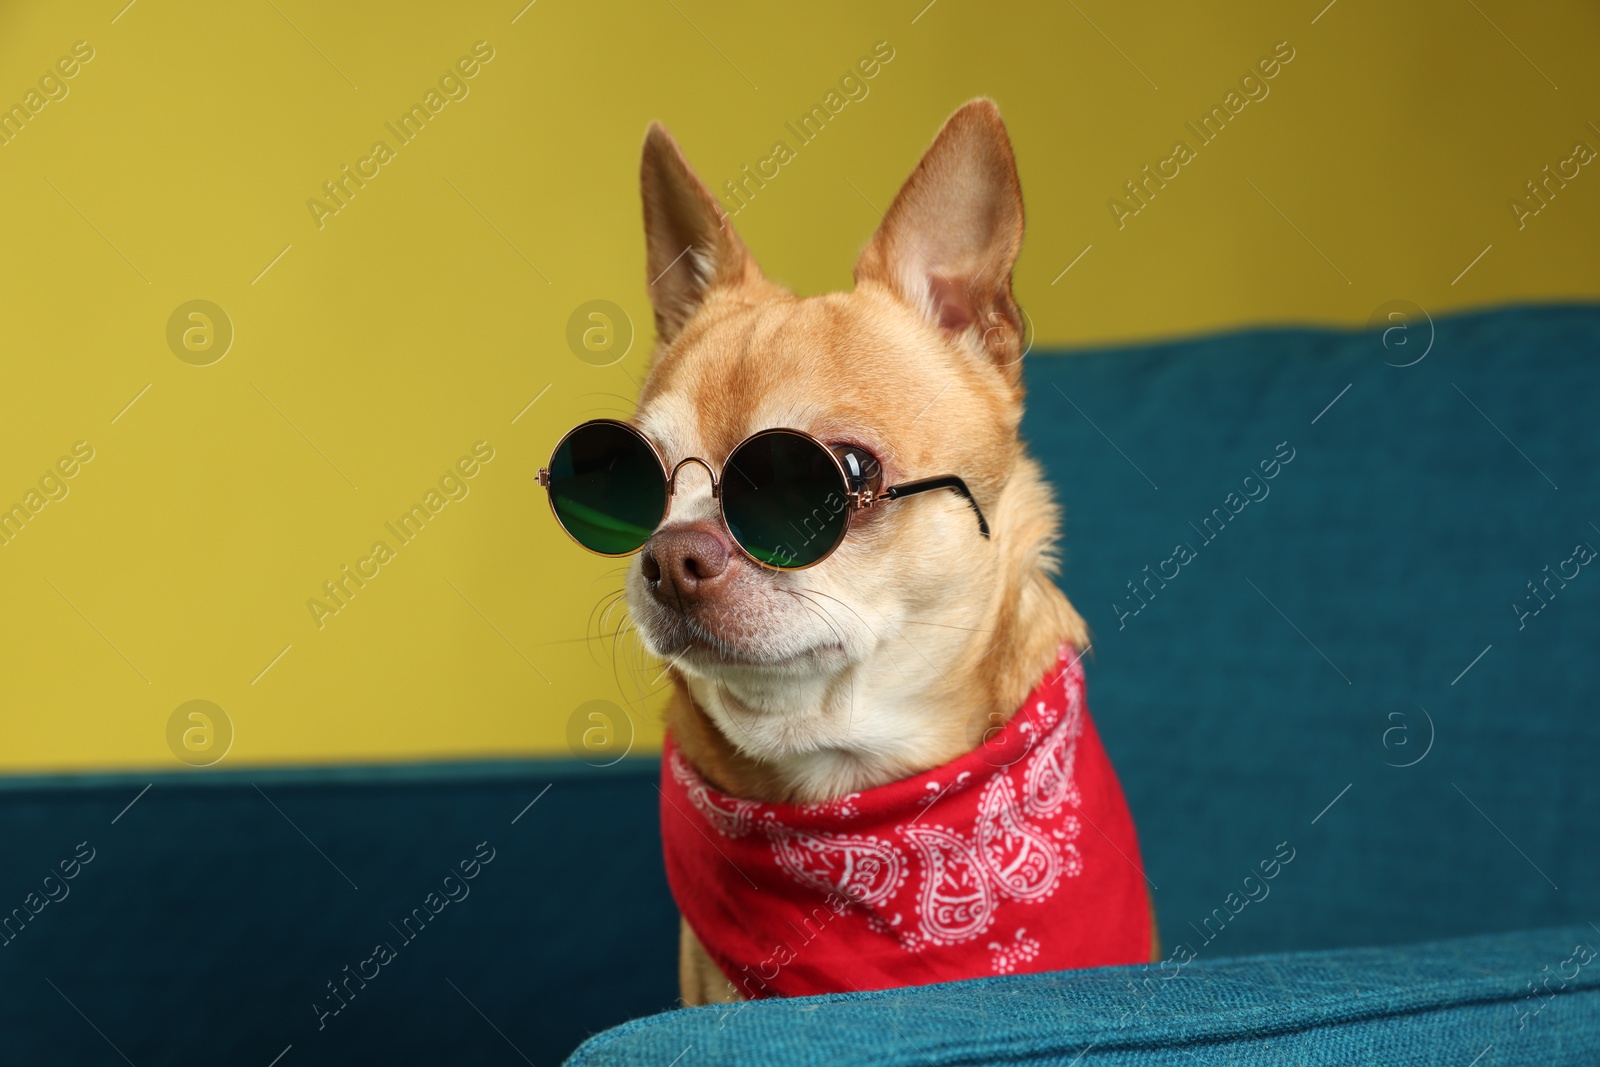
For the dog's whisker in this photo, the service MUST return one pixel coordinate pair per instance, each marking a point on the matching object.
(611, 605)
(670, 664)
(919, 652)
(728, 699)
(819, 612)
(640, 662)
(850, 716)
(628, 400)
(599, 617)
(625, 627)
(847, 607)
(570, 641)
(597, 614)
(893, 661)
(901, 635)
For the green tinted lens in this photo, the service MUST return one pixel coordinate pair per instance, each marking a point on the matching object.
(784, 499)
(607, 488)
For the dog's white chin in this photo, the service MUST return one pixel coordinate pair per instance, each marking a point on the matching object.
(712, 657)
(798, 699)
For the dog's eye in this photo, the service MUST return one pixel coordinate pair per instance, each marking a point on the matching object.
(861, 467)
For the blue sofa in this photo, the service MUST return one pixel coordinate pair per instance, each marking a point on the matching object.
(1352, 665)
(1352, 661)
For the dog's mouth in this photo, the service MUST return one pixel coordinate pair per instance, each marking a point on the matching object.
(683, 640)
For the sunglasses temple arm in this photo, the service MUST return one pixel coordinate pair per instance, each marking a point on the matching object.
(928, 485)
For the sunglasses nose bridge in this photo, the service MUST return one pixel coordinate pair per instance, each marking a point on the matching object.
(672, 476)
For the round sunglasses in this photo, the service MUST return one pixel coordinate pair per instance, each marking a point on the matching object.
(786, 498)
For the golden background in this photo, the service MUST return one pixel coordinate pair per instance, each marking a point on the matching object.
(430, 313)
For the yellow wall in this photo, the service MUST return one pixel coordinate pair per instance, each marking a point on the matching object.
(432, 309)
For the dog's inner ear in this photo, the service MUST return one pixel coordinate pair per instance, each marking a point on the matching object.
(690, 244)
(951, 237)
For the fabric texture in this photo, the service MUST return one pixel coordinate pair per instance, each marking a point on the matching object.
(1501, 997)
(1019, 856)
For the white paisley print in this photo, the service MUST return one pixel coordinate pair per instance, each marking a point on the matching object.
(863, 869)
(729, 815)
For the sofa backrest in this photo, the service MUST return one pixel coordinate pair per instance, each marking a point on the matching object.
(1347, 656)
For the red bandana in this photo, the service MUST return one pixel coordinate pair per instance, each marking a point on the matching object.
(1019, 856)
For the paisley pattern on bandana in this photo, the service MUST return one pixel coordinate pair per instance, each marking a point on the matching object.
(900, 884)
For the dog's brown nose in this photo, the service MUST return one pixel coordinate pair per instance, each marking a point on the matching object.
(683, 564)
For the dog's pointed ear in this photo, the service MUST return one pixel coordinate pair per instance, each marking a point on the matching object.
(690, 244)
(949, 240)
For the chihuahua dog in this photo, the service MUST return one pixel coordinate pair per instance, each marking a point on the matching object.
(811, 690)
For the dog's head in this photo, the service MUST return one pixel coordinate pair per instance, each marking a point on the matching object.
(918, 367)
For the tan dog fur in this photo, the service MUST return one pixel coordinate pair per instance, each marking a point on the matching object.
(899, 651)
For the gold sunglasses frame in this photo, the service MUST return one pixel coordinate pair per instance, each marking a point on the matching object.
(857, 499)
